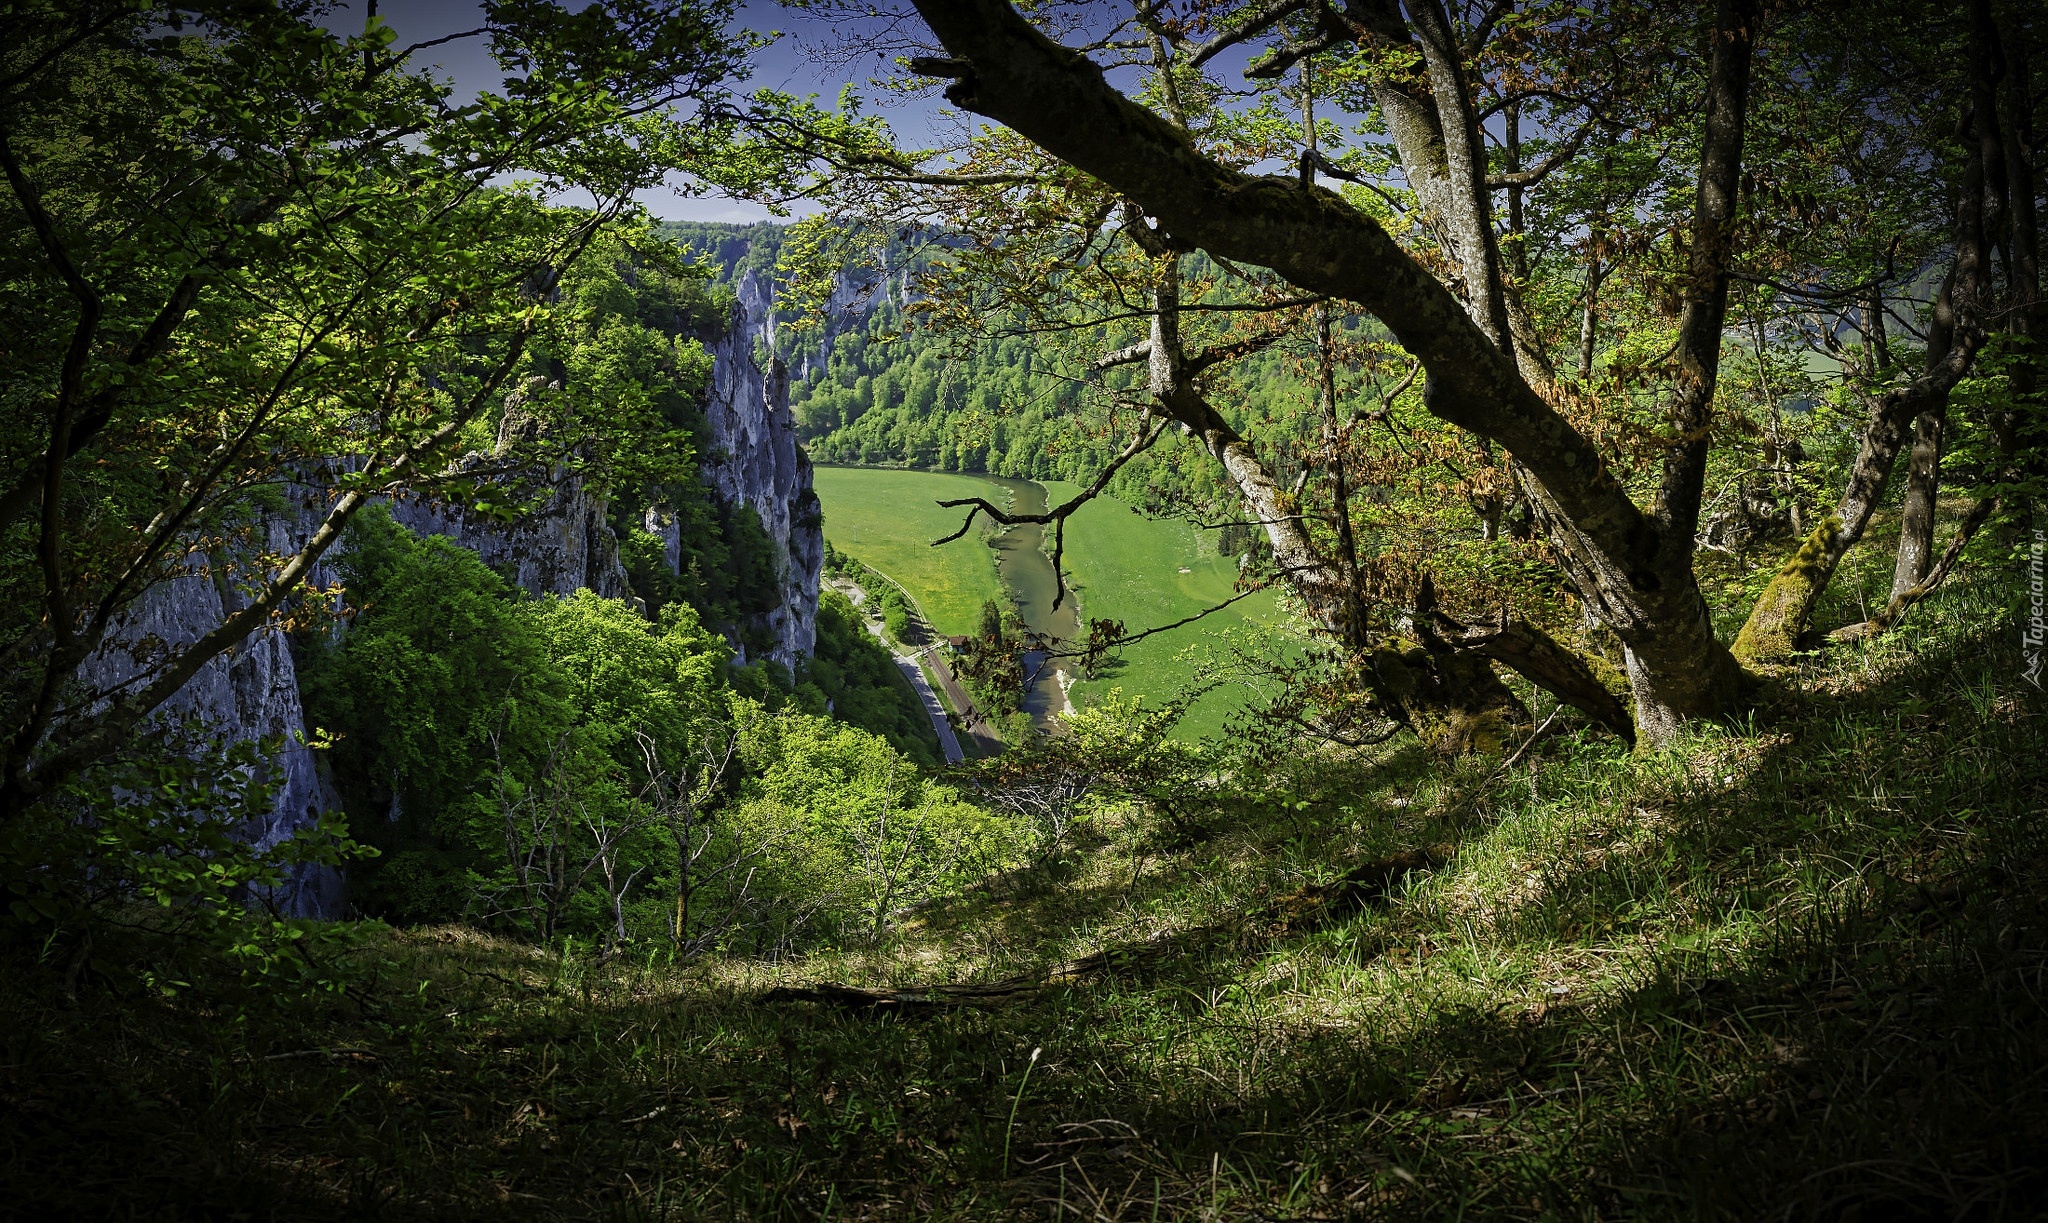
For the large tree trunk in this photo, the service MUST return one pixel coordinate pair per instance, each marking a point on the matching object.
(1625, 559)
(1677, 669)
(1782, 619)
(1454, 703)
(2029, 315)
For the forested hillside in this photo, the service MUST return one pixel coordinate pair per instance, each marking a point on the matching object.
(636, 335)
(1460, 629)
(873, 381)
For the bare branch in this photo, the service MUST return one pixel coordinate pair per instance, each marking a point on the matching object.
(1541, 170)
(1219, 353)
(1131, 355)
(1482, 33)
(1900, 603)
(1850, 293)
(1133, 638)
(1257, 23)
(1149, 431)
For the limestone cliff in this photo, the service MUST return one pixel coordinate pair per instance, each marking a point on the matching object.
(752, 464)
(564, 545)
(248, 693)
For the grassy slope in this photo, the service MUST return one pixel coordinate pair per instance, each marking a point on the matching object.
(1795, 969)
(888, 519)
(1126, 567)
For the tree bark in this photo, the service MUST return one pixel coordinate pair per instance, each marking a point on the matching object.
(1903, 600)
(1783, 616)
(1436, 132)
(2029, 314)
(1589, 319)
(1677, 668)
(1006, 70)
(1923, 485)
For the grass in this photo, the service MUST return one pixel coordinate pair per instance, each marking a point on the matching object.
(1129, 567)
(888, 519)
(1793, 968)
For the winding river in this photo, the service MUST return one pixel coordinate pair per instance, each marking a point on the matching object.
(1027, 574)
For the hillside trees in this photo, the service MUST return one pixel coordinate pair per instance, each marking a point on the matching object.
(1994, 216)
(1659, 176)
(500, 750)
(565, 767)
(252, 262)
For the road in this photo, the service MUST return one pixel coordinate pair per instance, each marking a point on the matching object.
(976, 724)
(949, 742)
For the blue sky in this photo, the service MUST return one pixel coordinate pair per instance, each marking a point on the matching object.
(812, 56)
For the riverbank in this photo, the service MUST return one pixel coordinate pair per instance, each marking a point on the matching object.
(1120, 564)
(887, 517)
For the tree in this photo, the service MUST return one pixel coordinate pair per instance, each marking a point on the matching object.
(860, 834)
(509, 754)
(254, 263)
(1995, 210)
(1611, 474)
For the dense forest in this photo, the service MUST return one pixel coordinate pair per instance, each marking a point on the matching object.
(441, 775)
(872, 384)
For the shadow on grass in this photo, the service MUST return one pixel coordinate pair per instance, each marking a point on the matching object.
(1793, 971)
(1823, 997)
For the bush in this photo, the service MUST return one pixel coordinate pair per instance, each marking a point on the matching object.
(859, 834)
(154, 848)
(862, 684)
(496, 746)
(553, 767)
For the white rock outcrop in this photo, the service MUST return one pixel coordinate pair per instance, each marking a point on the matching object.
(753, 464)
(753, 461)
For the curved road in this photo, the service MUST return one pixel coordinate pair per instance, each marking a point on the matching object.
(948, 741)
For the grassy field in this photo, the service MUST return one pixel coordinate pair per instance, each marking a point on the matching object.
(1790, 968)
(889, 518)
(1128, 567)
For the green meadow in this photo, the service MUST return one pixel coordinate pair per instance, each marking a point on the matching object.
(887, 518)
(1123, 565)
(1148, 572)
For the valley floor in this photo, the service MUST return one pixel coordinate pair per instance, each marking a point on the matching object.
(1795, 969)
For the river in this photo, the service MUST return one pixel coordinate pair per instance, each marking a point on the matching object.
(1026, 570)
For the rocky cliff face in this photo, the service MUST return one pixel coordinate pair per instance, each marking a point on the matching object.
(753, 464)
(249, 693)
(855, 297)
(565, 545)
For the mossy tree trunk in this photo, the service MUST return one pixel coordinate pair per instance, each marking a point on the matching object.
(1633, 566)
(1783, 616)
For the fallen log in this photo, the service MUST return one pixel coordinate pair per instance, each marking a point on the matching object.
(911, 998)
(1298, 911)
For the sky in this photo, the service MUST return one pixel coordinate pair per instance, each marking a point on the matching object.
(813, 56)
